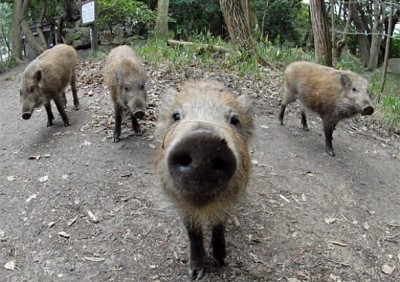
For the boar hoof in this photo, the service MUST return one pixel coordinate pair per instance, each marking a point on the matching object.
(330, 151)
(66, 124)
(76, 106)
(305, 128)
(116, 139)
(196, 273)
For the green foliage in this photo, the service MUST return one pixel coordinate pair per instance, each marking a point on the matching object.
(278, 20)
(396, 46)
(115, 14)
(193, 16)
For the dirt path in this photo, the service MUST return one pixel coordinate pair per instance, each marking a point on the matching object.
(307, 216)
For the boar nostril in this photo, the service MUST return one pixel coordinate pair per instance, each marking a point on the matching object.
(183, 160)
(368, 111)
(217, 164)
(26, 115)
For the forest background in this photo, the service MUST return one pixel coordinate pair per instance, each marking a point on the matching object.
(247, 36)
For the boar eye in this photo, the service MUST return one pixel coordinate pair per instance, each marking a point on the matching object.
(141, 87)
(235, 120)
(32, 89)
(126, 88)
(354, 89)
(176, 116)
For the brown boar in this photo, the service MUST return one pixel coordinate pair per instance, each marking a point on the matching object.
(46, 78)
(125, 78)
(333, 94)
(203, 162)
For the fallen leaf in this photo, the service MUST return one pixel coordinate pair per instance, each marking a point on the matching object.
(293, 280)
(10, 265)
(387, 269)
(152, 146)
(330, 220)
(64, 234)
(46, 156)
(86, 143)
(43, 178)
(65, 176)
(10, 177)
(365, 226)
(51, 223)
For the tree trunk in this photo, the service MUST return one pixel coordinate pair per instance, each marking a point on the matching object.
(376, 36)
(362, 28)
(235, 20)
(39, 27)
(385, 62)
(322, 44)
(161, 28)
(342, 42)
(15, 33)
(35, 45)
(67, 16)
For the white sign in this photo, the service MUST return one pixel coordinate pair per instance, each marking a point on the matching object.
(88, 12)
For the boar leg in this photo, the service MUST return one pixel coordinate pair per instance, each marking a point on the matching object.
(61, 109)
(135, 125)
(197, 252)
(50, 115)
(218, 243)
(282, 113)
(304, 120)
(64, 98)
(329, 126)
(118, 120)
(74, 92)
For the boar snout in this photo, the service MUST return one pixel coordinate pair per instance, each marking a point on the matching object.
(201, 163)
(139, 114)
(26, 115)
(367, 111)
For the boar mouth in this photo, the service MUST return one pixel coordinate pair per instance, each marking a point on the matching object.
(367, 111)
(26, 115)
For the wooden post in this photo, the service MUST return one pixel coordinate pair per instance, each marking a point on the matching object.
(89, 16)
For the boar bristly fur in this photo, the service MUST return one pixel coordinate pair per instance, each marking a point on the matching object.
(46, 78)
(203, 162)
(333, 94)
(126, 78)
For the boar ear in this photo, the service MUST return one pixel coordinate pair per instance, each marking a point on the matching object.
(167, 98)
(38, 75)
(345, 80)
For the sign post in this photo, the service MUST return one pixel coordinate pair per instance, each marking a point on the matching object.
(89, 16)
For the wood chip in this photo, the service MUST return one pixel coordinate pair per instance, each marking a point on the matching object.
(92, 216)
(64, 234)
(284, 198)
(94, 259)
(337, 243)
(71, 221)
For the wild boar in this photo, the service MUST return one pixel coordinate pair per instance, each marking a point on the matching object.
(203, 163)
(46, 78)
(333, 94)
(126, 78)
